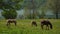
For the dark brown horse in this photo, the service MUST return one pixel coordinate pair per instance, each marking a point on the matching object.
(11, 21)
(47, 23)
(34, 23)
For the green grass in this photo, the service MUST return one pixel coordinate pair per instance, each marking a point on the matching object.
(24, 27)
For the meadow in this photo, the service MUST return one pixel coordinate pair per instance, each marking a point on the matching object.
(25, 27)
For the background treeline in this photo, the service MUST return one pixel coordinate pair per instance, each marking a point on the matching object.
(32, 9)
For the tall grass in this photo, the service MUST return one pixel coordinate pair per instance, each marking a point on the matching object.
(24, 27)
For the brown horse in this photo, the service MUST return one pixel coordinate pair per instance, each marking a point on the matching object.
(34, 23)
(11, 21)
(47, 23)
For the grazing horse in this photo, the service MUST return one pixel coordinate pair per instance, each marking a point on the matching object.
(34, 23)
(11, 21)
(47, 23)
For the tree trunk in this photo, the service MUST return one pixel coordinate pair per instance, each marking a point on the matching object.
(56, 14)
(33, 14)
(33, 8)
(57, 8)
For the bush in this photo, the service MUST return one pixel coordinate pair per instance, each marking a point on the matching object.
(9, 14)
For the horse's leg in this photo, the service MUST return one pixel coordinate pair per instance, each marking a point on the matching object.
(7, 24)
(36, 24)
(42, 26)
(15, 23)
(47, 27)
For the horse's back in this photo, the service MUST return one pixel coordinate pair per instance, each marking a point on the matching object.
(11, 20)
(45, 22)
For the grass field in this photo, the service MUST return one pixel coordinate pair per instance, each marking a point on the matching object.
(24, 27)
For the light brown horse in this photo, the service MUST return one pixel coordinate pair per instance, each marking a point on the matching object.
(11, 21)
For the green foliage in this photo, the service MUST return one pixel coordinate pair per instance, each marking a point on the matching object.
(7, 4)
(55, 6)
(34, 5)
(17, 6)
(9, 8)
(31, 16)
(10, 14)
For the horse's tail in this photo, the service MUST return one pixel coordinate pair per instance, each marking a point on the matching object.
(50, 25)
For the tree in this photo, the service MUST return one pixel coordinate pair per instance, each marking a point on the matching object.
(43, 13)
(7, 4)
(9, 14)
(9, 8)
(55, 6)
(34, 6)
